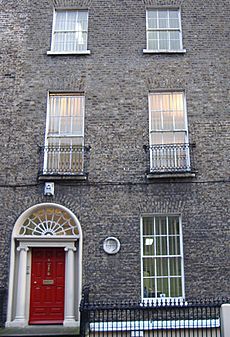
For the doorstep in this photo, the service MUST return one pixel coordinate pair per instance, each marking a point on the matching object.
(40, 331)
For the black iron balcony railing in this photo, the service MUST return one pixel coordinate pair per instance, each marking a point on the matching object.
(169, 158)
(64, 160)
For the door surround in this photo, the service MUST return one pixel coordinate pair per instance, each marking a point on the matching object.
(20, 269)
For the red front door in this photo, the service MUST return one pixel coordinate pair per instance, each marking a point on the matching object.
(47, 286)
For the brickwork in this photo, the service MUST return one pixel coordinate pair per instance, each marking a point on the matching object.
(116, 79)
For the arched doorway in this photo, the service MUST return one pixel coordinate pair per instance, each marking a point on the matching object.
(45, 268)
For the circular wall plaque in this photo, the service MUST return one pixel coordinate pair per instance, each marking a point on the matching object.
(111, 245)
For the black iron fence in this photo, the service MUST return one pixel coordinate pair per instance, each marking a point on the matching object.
(190, 318)
(2, 305)
(164, 158)
(71, 160)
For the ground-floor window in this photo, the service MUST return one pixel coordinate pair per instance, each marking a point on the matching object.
(162, 257)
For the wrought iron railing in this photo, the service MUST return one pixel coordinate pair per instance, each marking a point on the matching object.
(2, 306)
(69, 160)
(165, 158)
(192, 318)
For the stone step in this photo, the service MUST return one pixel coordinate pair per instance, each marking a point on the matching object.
(40, 331)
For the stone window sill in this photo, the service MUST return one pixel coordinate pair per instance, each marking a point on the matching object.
(169, 175)
(150, 51)
(63, 177)
(85, 52)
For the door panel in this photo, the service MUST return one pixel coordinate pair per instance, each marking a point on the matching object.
(47, 286)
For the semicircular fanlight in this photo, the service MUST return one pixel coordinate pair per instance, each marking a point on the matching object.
(50, 221)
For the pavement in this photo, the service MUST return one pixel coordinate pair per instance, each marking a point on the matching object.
(40, 331)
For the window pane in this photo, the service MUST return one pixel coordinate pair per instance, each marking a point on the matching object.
(77, 141)
(174, 19)
(174, 245)
(71, 20)
(149, 287)
(161, 245)
(81, 41)
(180, 138)
(152, 38)
(168, 120)
(163, 23)
(162, 266)
(70, 42)
(163, 40)
(60, 23)
(54, 141)
(152, 35)
(148, 226)
(152, 23)
(175, 287)
(152, 14)
(149, 267)
(174, 40)
(77, 126)
(148, 246)
(155, 102)
(162, 287)
(163, 44)
(179, 119)
(168, 138)
(155, 138)
(163, 19)
(178, 101)
(161, 225)
(165, 102)
(162, 14)
(174, 23)
(65, 142)
(59, 41)
(175, 45)
(173, 14)
(156, 120)
(152, 44)
(173, 225)
(175, 266)
(174, 35)
(179, 113)
(83, 20)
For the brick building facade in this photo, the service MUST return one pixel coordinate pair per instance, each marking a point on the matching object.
(138, 150)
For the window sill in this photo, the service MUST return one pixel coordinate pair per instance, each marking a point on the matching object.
(165, 175)
(84, 52)
(63, 177)
(150, 51)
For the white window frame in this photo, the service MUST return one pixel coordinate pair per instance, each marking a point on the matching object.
(149, 50)
(80, 52)
(172, 130)
(62, 135)
(181, 255)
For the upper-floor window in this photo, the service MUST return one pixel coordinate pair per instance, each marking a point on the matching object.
(163, 30)
(162, 257)
(169, 148)
(64, 143)
(70, 30)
